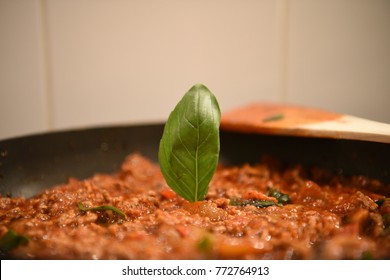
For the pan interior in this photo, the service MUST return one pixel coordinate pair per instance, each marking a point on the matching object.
(32, 163)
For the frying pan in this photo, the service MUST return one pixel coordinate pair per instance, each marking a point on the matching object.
(32, 163)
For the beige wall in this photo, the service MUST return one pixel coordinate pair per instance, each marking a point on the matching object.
(66, 64)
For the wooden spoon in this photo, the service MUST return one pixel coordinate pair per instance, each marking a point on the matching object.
(285, 119)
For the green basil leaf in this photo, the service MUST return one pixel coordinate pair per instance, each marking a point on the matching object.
(189, 147)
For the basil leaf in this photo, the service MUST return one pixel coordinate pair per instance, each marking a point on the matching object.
(189, 147)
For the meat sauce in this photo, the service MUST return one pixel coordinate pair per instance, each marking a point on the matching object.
(326, 217)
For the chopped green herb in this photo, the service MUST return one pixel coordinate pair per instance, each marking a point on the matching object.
(254, 202)
(367, 255)
(281, 197)
(205, 244)
(386, 223)
(11, 240)
(189, 147)
(381, 201)
(273, 118)
(101, 208)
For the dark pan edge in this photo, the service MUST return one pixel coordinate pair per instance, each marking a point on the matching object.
(33, 163)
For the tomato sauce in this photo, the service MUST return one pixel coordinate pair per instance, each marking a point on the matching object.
(326, 217)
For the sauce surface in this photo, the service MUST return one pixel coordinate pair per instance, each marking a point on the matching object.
(326, 217)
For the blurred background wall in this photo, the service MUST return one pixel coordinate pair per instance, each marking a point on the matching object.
(71, 64)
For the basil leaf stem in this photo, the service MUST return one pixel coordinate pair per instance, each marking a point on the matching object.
(189, 147)
(101, 208)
